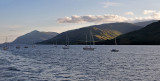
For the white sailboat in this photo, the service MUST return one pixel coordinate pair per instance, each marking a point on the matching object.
(91, 40)
(5, 45)
(55, 45)
(66, 46)
(33, 44)
(115, 50)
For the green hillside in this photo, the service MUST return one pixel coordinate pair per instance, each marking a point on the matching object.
(100, 33)
(150, 35)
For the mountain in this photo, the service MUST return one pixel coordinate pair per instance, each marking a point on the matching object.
(100, 32)
(149, 35)
(34, 36)
(145, 23)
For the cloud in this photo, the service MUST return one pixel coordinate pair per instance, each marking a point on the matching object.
(72, 19)
(156, 15)
(110, 18)
(146, 12)
(153, 14)
(109, 4)
(107, 18)
(129, 13)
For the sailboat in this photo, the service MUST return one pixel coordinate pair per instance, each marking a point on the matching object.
(66, 46)
(18, 46)
(91, 40)
(115, 50)
(25, 45)
(5, 45)
(33, 44)
(55, 45)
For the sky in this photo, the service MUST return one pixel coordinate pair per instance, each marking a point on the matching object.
(18, 17)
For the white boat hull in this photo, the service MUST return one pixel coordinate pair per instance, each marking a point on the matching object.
(91, 49)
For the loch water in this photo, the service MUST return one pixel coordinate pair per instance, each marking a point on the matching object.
(49, 63)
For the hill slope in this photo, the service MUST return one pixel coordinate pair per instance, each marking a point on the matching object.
(100, 32)
(33, 37)
(150, 35)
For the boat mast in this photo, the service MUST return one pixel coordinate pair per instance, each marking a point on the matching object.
(66, 38)
(6, 42)
(86, 39)
(92, 39)
(115, 42)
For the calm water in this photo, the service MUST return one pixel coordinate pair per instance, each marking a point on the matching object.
(47, 63)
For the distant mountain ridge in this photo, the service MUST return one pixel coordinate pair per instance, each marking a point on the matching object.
(149, 35)
(34, 37)
(145, 23)
(100, 33)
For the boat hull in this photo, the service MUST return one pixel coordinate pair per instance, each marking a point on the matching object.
(91, 49)
(5, 48)
(65, 47)
(18, 47)
(114, 50)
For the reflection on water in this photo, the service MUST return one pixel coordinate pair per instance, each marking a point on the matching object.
(47, 63)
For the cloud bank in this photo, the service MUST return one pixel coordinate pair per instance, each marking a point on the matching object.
(92, 18)
(154, 14)
(110, 18)
(148, 12)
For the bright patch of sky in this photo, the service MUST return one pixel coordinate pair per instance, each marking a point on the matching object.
(18, 17)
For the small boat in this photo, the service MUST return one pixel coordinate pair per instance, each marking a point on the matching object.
(91, 40)
(25, 46)
(33, 46)
(88, 48)
(115, 50)
(17, 47)
(5, 48)
(66, 47)
(67, 43)
(55, 45)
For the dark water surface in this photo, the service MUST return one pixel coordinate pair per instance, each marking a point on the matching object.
(47, 63)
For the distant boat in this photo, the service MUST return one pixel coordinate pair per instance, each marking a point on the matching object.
(33, 45)
(55, 45)
(115, 50)
(17, 47)
(25, 46)
(5, 45)
(91, 41)
(66, 46)
(5, 48)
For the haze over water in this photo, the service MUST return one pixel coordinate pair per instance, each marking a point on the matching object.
(47, 63)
